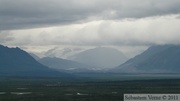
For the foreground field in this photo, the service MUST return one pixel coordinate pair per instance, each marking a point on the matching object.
(58, 89)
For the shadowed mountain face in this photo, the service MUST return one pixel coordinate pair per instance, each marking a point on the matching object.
(157, 59)
(100, 57)
(65, 65)
(16, 62)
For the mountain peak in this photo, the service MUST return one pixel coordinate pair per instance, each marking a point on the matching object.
(101, 57)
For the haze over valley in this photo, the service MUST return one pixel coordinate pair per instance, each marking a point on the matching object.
(88, 50)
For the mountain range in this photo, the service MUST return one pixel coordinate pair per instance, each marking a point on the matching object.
(16, 62)
(156, 59)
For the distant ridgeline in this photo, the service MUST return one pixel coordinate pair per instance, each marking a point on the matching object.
(16, 62)
(66, 65)
(156, 59)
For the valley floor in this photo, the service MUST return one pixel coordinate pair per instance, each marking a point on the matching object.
(66, 89)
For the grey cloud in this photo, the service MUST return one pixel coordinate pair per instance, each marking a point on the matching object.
(5, 36)
(146, 31)
(15, 14)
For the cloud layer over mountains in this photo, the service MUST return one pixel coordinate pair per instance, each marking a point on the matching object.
(26, 23)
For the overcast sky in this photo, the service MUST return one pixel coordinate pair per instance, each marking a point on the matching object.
(117, 23)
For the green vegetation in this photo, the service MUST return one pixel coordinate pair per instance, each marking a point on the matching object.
(59, 89)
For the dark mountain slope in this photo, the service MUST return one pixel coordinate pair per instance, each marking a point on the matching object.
(157, 59)
(16, 62)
